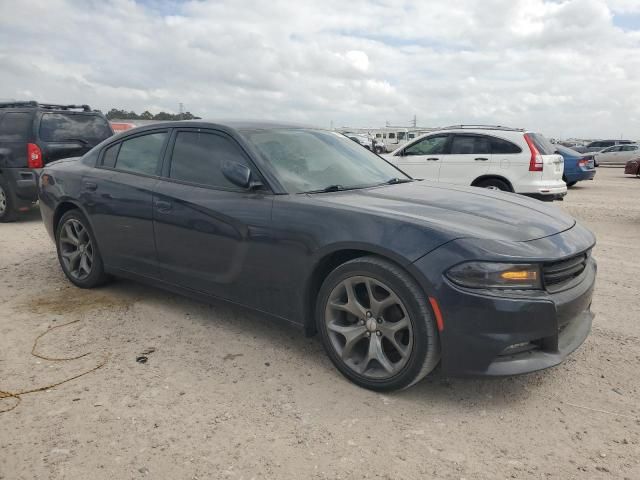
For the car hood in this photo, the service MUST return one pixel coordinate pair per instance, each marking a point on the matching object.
(460, 211)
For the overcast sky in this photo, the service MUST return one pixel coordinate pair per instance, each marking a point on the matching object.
(565, 68)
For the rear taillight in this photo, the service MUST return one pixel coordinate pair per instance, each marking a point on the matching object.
(535, 164)
(34, 156)
(583, 162)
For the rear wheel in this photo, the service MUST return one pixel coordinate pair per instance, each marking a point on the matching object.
(376, 325)
(494, 184)
(7, 207)
(78, 251)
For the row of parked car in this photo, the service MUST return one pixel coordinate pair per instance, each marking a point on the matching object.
(33, 134)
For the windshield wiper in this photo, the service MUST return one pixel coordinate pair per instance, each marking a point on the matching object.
(330, 188)
(395, 181)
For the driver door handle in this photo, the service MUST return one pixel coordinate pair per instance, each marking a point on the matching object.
(481, 159)
(432, 159)
(90, 186)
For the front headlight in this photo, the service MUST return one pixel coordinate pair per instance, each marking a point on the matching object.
(496, 275)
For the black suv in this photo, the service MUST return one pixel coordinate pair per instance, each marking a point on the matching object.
(33, 134)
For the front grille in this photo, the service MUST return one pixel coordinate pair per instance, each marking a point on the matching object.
(556, 274)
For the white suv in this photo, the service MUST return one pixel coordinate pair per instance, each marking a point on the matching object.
(502, 158)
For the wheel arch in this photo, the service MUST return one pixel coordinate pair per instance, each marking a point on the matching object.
(330, 260)
(63, 207)
(492, 176)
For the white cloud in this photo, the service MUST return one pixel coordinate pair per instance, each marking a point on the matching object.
(562, 67)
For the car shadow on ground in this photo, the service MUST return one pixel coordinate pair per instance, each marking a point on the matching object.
(31, 216)
(273, 334)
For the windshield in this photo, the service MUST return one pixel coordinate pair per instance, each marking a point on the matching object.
(58, 127)
(309, 160)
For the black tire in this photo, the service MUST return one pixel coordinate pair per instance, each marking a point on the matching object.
(494, 184)
(379, 150)
(96, 275)
(8, 211)
(424, 352)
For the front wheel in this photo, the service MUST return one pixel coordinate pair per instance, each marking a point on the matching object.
(78, 251)
(376, 325)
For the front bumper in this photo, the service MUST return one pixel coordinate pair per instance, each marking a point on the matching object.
(495, 333)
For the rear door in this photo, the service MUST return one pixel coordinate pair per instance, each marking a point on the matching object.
(70, 134)
(469, 157)
(119, 194)
(16, 130)
(422, 158)
(211, 235)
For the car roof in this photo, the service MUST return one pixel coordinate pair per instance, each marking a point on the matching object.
(225, 125)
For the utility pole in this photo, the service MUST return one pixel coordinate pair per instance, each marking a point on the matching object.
(415, 121)
(181, 110)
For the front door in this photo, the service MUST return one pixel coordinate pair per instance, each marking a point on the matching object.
(211, 235)
(422, 158)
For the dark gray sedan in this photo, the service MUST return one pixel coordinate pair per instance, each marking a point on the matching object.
(304, 225)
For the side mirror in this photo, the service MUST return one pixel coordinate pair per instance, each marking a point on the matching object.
(239, 175)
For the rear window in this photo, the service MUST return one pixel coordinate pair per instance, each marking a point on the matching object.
(58, 127)
(15, 127)
(500, 146)
(544, 146)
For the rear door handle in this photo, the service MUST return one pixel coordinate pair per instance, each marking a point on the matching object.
(433, 159)
(481, 159)
(163, 206)
(91, 186)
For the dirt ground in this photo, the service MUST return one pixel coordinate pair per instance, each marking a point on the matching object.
(228, 394)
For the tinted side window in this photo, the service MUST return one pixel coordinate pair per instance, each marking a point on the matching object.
(198, 157)
(428, 146)
(544, 146)
(141, 154)
(15, 127)
(56, 127)
(629, 148)
(469, 144)
(500, 146)
(109, 156)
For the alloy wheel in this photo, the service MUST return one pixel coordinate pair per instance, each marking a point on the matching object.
(76, 249)
(369, 327)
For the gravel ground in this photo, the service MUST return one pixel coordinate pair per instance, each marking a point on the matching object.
(227, 394)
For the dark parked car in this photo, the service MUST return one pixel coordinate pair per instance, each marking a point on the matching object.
(577, 166)
(304, 225)
(33, 134)
(633, 167)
